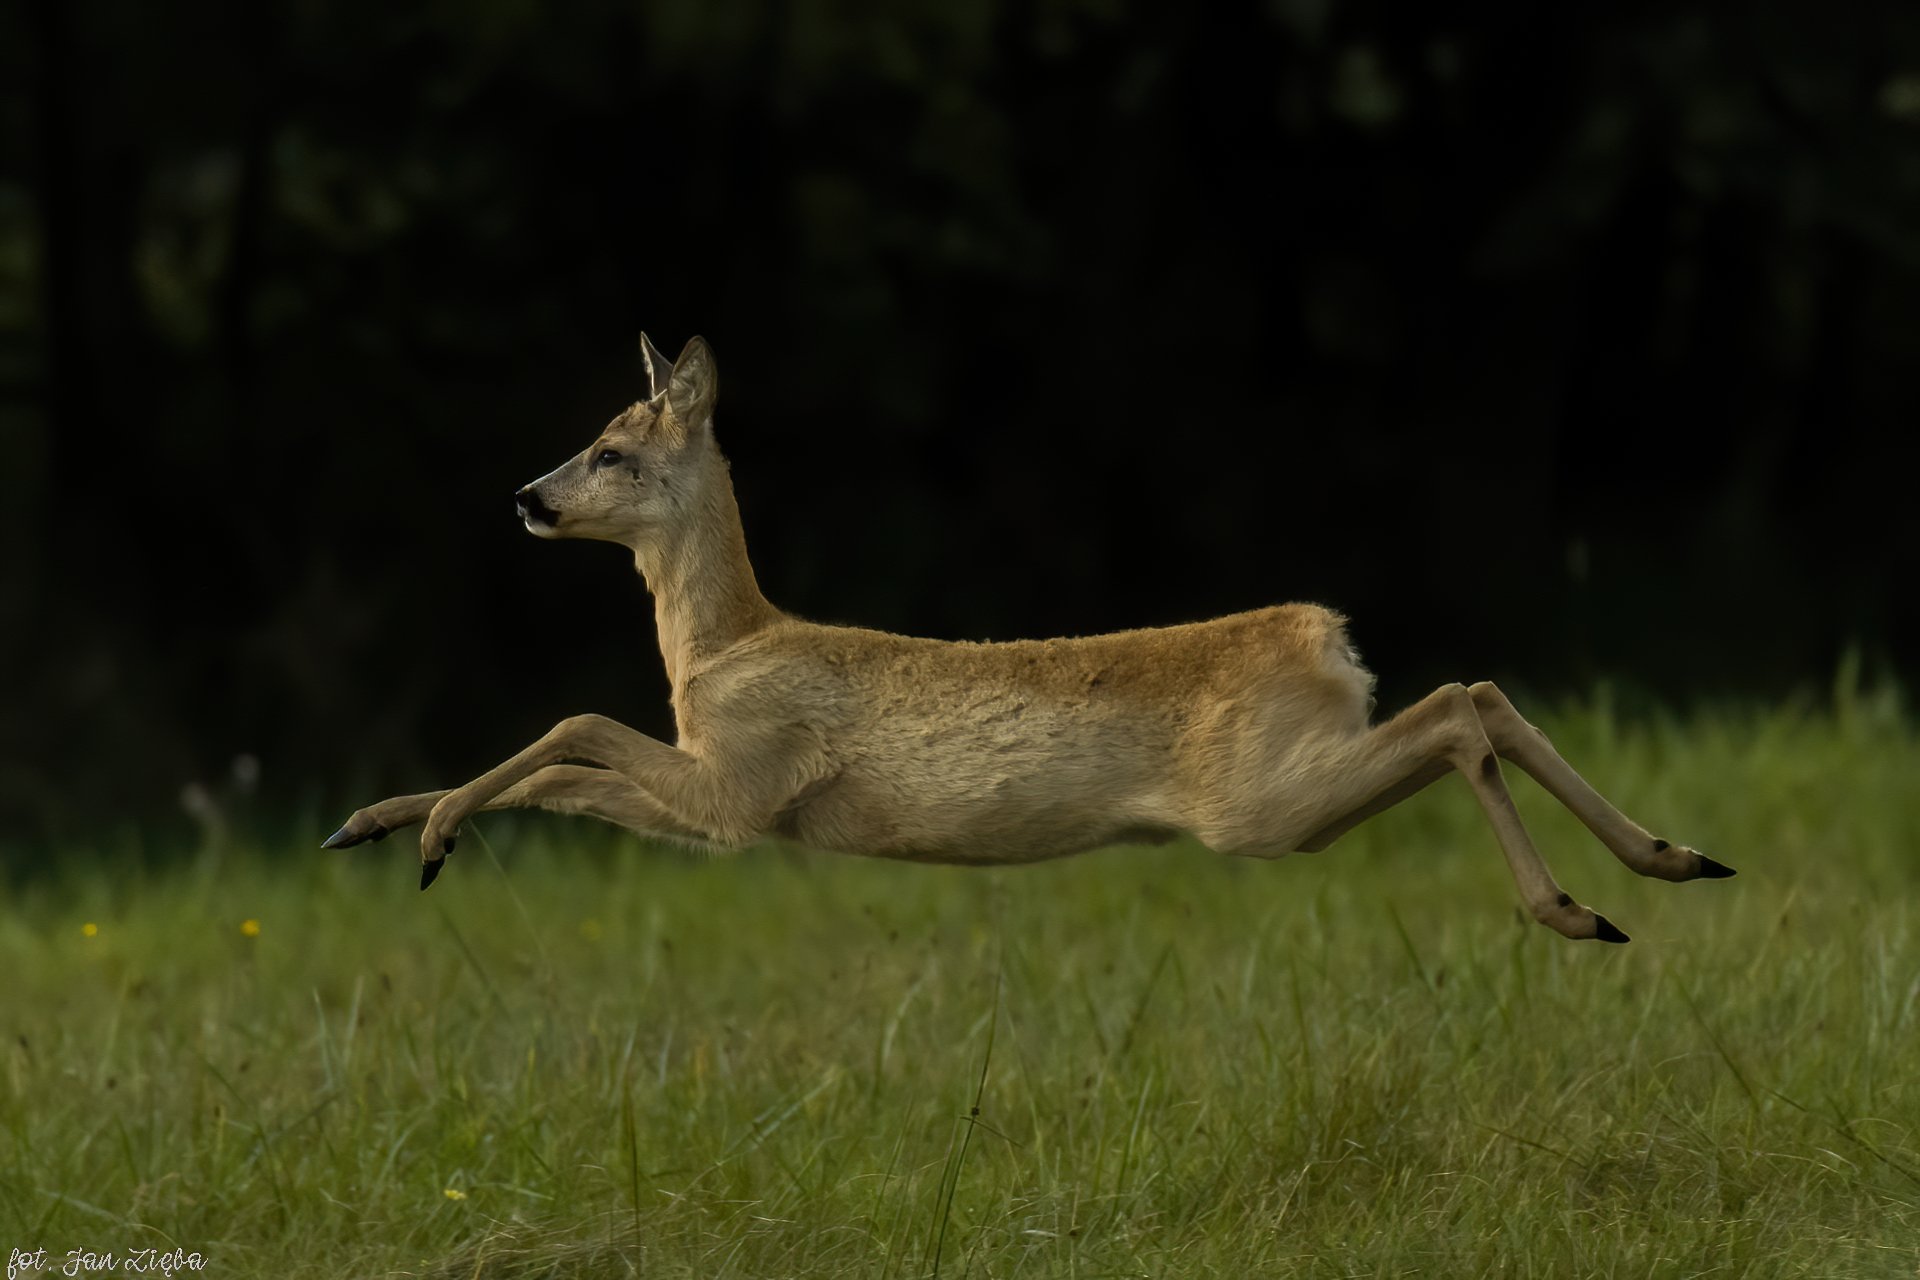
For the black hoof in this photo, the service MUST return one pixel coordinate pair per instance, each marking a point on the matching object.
(1711, 870)
(345, 839)
(1604, 930)
(429, 871)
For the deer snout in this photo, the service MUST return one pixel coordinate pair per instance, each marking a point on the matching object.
(534, 512)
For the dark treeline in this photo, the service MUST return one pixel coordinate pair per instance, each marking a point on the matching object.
(1555, 344)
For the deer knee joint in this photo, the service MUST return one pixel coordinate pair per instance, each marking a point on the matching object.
(578, 732)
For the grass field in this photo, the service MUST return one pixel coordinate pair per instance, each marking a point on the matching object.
(580, 1057)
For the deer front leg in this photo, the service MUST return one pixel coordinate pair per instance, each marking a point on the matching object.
(560, 788)
(592, 792)
(701, 801)
(378, 821)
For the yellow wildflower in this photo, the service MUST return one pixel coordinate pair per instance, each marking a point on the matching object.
(88, 929)
(455, 1193)
(250, 928)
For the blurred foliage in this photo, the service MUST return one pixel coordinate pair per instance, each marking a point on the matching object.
(1550, 345)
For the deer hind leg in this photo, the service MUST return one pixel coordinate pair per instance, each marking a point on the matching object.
(1392, 761)
(1526, 746)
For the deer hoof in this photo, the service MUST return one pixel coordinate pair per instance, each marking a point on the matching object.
(1605, 930)
(430, 871)
(345, 837)
(1711, 870)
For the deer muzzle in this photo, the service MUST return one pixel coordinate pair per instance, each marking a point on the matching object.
(533, 510)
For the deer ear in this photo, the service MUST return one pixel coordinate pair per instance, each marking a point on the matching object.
(694, 384)
(658, 367)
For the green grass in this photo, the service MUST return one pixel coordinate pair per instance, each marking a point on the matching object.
(628, 1061)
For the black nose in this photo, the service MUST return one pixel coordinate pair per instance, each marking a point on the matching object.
(527, 502)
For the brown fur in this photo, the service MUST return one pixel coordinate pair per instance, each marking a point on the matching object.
(1248, 732)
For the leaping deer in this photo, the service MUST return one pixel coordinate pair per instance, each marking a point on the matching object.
(1250, 732)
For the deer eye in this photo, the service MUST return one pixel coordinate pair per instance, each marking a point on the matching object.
(606, 458)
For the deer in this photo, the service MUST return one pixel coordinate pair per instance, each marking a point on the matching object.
(1251, 734)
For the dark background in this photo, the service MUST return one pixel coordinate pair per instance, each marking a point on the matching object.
(1561, 345)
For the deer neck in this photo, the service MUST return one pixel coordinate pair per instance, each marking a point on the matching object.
(705, 597)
